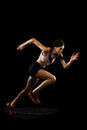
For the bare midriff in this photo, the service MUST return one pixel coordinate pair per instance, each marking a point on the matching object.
(42, 63)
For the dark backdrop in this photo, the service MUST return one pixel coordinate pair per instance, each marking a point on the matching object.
(16, 63)
(17, 26)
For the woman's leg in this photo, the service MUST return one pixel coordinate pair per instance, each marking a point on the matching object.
(30, 83)
(48, 79)
(36, 99)
(10, 105)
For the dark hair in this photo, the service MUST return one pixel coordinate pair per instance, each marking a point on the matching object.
(58, 43)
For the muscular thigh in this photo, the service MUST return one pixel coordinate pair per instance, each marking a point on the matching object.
(43, 74)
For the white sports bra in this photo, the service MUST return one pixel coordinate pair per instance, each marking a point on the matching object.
(45, 59)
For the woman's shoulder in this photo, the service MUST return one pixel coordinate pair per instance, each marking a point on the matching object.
(47, 51)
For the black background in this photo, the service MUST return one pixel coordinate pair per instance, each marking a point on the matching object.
(46, 23)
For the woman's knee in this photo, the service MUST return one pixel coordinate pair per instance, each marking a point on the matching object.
(53, 79)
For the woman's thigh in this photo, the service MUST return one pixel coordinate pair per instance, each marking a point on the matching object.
(43, 74)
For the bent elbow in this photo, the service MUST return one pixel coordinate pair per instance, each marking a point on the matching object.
(65, 67)
(33, 39)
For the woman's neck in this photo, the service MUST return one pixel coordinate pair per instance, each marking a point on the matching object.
(53, 54)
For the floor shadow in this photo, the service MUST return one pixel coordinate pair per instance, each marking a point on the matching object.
(40, 112)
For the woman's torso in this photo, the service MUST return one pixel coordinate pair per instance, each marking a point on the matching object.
(45, 59)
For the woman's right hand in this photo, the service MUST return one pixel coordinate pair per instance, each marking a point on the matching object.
(20, 47)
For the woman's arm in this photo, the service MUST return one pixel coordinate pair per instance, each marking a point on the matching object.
(32, 41)
(74, 57)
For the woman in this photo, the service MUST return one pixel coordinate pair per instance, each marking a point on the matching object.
(37, 69)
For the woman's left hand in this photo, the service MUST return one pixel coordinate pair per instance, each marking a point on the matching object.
(75, 56)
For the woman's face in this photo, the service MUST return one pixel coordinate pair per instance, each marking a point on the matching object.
(59, 50)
